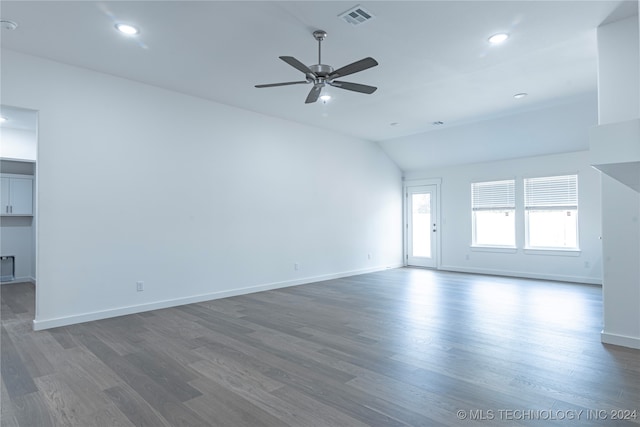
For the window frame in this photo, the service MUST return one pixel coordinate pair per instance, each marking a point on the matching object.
(496, 200)
(564, 202)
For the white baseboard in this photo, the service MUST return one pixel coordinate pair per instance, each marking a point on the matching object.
(19, 280)
(40, 324)
(621, 340)
(526, 275)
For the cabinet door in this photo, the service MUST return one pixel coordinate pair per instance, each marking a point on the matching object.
(21, 196)
(4, 195)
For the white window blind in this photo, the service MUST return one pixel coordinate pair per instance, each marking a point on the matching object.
(492, 211)
(558, 192)
(493, 195)
(551, 212)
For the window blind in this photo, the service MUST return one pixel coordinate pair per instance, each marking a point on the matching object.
(493, 195)
(559, 192)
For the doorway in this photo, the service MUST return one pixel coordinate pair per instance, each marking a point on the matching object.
(422, 226)
(18, 212)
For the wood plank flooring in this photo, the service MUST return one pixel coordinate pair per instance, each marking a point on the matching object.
(403, 347)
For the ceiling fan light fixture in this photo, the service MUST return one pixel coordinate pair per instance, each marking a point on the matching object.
(324, 98)
(127, 29)
(498, 38)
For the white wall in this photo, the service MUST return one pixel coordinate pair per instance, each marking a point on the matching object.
(197, 199)
(455, 228)
(17, 241)
(548, 129)
(618, 70)
(17, 144)
(619, 101)
(621, 252)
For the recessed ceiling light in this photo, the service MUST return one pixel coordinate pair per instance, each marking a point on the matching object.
(498, 38)
(3, 119)
(8, 25)
(127, 29)
(520, 95)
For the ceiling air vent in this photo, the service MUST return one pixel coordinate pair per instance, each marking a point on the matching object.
(356, 16)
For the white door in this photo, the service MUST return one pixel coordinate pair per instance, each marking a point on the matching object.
(422, 226)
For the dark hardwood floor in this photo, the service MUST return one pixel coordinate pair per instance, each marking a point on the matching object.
(401, 347)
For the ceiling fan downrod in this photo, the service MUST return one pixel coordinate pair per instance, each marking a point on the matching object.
(320, 70)
(319, 35)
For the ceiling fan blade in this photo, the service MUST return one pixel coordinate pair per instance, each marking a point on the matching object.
(356, 87)
(314, 94)
(296, 64)
(283, 84)
(354, 67)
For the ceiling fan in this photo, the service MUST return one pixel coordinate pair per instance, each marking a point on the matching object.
(321, 74)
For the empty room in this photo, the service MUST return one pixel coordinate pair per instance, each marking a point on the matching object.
(320, 213)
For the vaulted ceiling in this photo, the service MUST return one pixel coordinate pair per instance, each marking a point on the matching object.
(435, 64)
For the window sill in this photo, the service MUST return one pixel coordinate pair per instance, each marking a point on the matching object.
(497, 249)
(552, 252)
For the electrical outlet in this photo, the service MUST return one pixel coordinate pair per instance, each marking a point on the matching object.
(139, 286)
(296, 266)
(368, 256)
(587, 264)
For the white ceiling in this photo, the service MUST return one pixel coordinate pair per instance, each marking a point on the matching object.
(19, 118)
(435, 61)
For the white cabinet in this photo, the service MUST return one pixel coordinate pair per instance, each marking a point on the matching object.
(17, 195)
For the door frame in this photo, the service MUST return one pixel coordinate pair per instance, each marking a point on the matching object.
(407, 184)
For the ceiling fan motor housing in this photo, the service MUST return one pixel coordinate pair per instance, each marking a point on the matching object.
(321, 70)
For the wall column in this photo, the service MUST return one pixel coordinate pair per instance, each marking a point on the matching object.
(619, 103)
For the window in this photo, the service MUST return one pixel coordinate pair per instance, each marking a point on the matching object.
(551, 212)
(493, 213)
